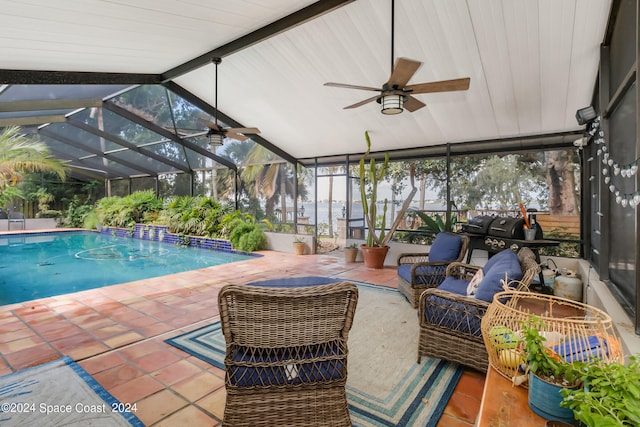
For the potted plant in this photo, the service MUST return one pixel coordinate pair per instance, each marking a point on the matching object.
(376, 247)
(351, 253)
(548, 374)
(610, 397)
(299, 245)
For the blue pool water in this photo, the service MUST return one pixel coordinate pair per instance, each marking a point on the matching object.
(48, 264)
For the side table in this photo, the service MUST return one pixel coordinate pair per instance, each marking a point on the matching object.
(504, 405)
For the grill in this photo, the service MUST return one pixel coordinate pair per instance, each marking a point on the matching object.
(495, 233)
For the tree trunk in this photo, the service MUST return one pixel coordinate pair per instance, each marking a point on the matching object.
(562, 196)
(423, 190)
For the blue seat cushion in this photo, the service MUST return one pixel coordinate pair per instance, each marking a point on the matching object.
(446, 247)
(453, 315)
(456, 286)
(294, 282)
(506, 267)
(251, 367)
(425, 274)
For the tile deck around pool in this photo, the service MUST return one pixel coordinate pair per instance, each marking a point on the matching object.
(117, 334)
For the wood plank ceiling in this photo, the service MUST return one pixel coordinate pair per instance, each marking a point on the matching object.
(532, 64)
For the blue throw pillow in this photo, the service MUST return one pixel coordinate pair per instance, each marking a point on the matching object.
(446, 247)
(506, 253)
(508, 266)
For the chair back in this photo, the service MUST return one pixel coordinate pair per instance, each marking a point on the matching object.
(286, 354)
(530, 268)
(449, 247)
(284, 317)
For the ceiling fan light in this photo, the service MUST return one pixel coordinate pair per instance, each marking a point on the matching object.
(392, 104)
(215, 139)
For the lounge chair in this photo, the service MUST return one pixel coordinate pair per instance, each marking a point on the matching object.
(450, 315)
(420, 271)
(286, 354)
(15, 218)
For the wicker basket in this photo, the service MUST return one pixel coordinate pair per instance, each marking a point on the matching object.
(574, 330)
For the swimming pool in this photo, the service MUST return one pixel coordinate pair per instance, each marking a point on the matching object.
(46, 264)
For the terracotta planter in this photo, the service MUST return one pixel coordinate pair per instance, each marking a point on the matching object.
(374, 255)
(298, 248)
(350, 254)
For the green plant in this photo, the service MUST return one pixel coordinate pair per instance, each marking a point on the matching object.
(370, 177)
(126, 211)
(541, 360)
(91, 220)
(352, 246)
(611, 396)
(77, 214)
(436, 223)
(298, 239)
(252, 241)
(195, 215)
(247, 236)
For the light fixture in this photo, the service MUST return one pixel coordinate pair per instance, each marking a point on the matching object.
(215, 139)
(585, 115)
(392, 104)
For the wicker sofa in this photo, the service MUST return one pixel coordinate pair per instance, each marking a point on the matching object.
(420, 271)
(286, 354)
(450, 319)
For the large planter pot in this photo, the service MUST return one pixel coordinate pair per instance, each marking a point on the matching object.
(545, 398)
(374, 256)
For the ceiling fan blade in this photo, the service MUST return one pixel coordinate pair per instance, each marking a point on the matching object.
(209, 124)
(236, 136)
(361, 103)
(412, 104)
(343, 85)
(441, 86)
(242, 130)
(403, 70)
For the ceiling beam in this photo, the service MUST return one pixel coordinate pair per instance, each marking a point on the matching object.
(281, 25)
(117, 140)
(26, 77)
(90, 172)
(167, 134)
(49, 104)
(32, 120)
(207, 108)
(50, 134)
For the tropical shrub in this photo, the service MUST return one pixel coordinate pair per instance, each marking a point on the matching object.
(194, 215)
(127, 211)
(77, 214)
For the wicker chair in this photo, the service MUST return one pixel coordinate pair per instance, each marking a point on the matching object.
(419, 271)
(450, 322)
(286, 354)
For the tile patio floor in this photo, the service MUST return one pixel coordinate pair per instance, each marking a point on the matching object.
(116, 333)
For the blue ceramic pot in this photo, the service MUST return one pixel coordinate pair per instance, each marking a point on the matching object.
(545, 398)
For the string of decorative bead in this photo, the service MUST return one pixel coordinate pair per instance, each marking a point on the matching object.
(611, 168)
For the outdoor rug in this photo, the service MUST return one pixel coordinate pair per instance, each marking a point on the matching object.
(60, 393)
(385, 385)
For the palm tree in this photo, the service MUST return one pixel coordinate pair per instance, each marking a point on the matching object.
(20, 154)
(269, 176)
